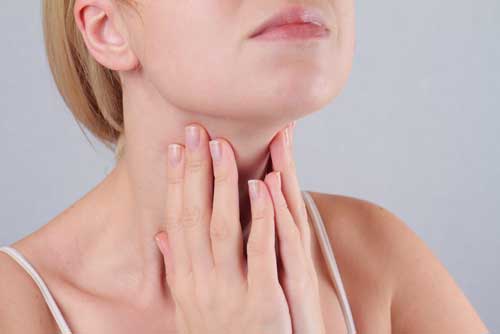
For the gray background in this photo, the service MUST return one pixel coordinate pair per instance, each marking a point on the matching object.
(416, 130)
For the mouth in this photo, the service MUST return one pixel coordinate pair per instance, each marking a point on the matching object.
(293, 22)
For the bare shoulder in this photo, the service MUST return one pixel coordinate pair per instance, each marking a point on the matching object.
(22, 307)
(387, 265)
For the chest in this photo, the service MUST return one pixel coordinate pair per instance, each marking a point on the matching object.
(86, 314)
(91, 314)
(367, 300)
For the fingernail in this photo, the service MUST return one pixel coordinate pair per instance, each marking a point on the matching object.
(215, 150)
(174, 154)
(292, 131)
(160, 243)
(192, 133)
(254, 188)
(287, 136)
(278, 176)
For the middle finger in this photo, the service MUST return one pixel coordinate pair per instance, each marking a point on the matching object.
(197, 199)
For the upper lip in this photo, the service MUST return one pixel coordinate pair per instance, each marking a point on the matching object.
(289, 15)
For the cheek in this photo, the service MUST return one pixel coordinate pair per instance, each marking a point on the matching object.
(190, 61)
(192, 71)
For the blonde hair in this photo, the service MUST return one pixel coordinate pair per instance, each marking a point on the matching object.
(91, 91)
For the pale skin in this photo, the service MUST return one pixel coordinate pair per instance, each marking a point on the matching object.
(215, 287)
(99, 257)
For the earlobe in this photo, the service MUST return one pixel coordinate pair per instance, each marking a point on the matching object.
(97, 23)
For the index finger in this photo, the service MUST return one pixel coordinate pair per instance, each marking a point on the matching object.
(173, 211)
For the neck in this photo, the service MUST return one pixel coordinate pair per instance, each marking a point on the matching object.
(136, 188)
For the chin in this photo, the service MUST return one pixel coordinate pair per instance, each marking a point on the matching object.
(304, 94)
(314, 96)
(263, 95)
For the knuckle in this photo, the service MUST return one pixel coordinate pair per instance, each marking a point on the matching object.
(291, 235)
(257, 247)
(205, 299)
(259, 217)
(194, 165)
(275, 292)
(174, 287)
(191, 217)
(174, 180)
(222, 178)
(298, 286)
(173, 222)
(181, 288)
(219, 229)
(268, 298)
(314, 279)
(257, 243)
(282, 207)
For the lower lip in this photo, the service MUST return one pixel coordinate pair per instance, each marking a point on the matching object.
(293, 31)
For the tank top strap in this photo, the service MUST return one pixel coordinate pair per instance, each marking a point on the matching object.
(331, 262)
(49, 300)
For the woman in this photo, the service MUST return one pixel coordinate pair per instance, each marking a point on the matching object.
(197, 97)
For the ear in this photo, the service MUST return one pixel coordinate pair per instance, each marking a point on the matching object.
(99, 23)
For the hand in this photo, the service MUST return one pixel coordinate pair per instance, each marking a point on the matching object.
(299, 278)
(213, 289)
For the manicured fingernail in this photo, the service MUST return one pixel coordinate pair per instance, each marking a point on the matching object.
(174, 154)
(254, 188)
(278, 176)
(292, 130)
(160, 243)
(215, 150)
(192, 133)
(287, 136)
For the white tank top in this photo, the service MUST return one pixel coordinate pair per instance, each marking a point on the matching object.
(320, 231)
